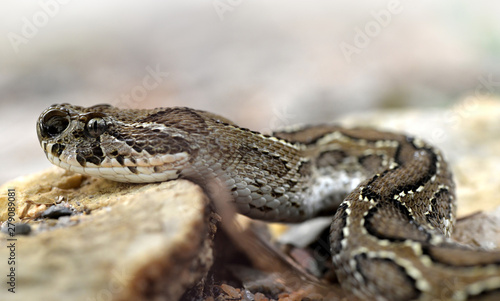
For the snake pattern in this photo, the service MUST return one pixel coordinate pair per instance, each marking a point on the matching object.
(392, 195)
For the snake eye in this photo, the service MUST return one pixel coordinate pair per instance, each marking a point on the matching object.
(54, 123)
(96, 126)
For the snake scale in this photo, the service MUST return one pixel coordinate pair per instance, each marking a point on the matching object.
(393, 194)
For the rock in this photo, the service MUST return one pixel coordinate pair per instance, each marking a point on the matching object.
(122, 242)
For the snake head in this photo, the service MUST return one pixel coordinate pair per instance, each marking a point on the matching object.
(122, 145)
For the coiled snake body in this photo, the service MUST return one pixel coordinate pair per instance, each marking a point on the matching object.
(393, 194)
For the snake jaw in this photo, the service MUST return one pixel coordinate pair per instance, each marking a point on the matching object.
(156, 169)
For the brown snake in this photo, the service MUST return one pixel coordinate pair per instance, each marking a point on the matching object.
(393, 194)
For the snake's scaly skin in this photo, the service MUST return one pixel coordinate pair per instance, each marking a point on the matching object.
(393, 194)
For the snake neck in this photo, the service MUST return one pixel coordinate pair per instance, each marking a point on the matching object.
(267, 177)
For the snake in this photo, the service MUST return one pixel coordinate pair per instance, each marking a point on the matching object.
(392, 196)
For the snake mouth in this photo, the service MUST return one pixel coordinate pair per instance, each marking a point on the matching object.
(145, 170)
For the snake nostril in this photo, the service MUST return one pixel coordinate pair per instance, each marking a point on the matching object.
(54, 123)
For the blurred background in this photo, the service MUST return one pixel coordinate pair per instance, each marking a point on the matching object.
(262, 64)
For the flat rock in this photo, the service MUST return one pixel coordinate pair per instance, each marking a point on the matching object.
(122, 242)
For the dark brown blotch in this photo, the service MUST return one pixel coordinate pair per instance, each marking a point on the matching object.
(330, 158)
(57, 149)
(150, 150)
(95, 160)
(97, 151)
(371, 162)
(120, 159)
(81, 160)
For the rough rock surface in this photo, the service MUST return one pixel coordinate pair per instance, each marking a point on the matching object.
(123, 242)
